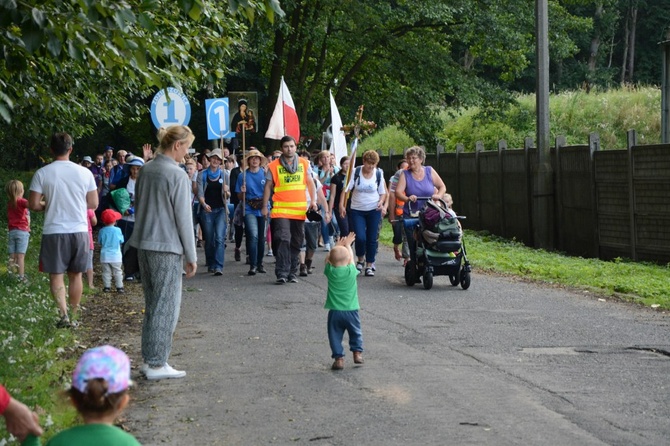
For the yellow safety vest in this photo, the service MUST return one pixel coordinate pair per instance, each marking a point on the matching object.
(289, 199)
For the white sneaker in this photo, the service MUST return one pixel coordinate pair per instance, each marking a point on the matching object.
(165, 372)
(326, 247)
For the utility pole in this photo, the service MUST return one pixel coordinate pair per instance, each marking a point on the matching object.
(543, 195)
(665, 90)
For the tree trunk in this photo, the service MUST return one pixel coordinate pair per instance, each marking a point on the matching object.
(631, 52)
(626, 41)
(595, 40)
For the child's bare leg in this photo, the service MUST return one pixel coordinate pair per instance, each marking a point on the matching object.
(20, 263)
(11, 264)
(89, 277)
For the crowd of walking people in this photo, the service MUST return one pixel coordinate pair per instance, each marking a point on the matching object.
(154, 209)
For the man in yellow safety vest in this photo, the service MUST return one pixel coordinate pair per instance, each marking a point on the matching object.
(286, 179)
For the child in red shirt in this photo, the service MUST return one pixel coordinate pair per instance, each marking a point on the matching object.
(18, 219)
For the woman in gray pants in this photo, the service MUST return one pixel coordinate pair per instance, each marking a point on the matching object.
(163, 236)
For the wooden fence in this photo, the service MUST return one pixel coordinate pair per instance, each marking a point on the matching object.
(606, 204)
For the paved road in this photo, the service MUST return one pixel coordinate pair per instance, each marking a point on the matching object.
(503, 363)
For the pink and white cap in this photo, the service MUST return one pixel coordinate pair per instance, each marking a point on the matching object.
(105, 362)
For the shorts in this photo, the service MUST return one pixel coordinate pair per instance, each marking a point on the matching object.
(312, 229)
(18, 241)
(61, 253)
(89, 262)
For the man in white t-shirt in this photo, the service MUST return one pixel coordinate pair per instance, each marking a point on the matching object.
(64, 191)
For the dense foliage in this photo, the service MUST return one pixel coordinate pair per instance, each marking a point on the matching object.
(77, 64)
(574, 114)
(73, 64)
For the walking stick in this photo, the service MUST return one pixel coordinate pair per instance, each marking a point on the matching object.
(225, 208)
(244, 168)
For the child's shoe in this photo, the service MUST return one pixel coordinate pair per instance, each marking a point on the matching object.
(120, 291)
(358, 358)
(338, 364)
(106, 289)
(64, 322)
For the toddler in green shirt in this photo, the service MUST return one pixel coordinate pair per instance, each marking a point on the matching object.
(342, 301)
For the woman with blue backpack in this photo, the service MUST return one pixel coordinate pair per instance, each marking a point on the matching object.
(213, 194)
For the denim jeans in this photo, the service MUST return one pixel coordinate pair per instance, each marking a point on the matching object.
(214, 231)
(366, 227)
(338, 322)
(326, 231)
(255, 230)
(342, 223)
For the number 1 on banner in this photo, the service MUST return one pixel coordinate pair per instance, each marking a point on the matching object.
(170, 111)
(221, 113)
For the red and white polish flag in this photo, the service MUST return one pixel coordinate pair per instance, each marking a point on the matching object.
(284, 119)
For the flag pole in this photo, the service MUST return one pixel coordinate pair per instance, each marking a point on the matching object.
(281, 98)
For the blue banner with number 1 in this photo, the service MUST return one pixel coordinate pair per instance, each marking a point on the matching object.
(218, 118)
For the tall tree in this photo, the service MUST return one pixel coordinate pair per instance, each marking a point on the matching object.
(70, 64)
(402, 59)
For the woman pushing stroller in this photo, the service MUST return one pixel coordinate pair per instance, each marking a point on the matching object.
(417, 181)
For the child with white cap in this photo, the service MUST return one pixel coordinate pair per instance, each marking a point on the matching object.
(99, 392)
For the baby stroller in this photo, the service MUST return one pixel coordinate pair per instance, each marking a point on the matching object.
(440, 250)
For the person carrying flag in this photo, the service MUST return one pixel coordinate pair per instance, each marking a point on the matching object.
(286, 180)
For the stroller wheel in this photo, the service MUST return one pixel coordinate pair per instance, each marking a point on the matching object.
(428, 280)
(465, 279)
(454, 279)
(410, 273)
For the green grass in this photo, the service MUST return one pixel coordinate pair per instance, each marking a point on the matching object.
(36, 359)
(643, 283)
(573, 114)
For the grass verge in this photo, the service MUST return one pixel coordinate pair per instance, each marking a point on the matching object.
(643, 283)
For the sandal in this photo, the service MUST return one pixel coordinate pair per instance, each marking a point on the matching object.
(359, 266)
(398, 254)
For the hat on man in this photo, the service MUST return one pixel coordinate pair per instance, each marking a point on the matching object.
(105, 362)
(217, 153)
(253, 152)
(109, 149)
(109, 216)
(87, 159)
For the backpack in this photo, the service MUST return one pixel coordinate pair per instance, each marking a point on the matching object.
(357, 180)
(357, 176)
(437, 223)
